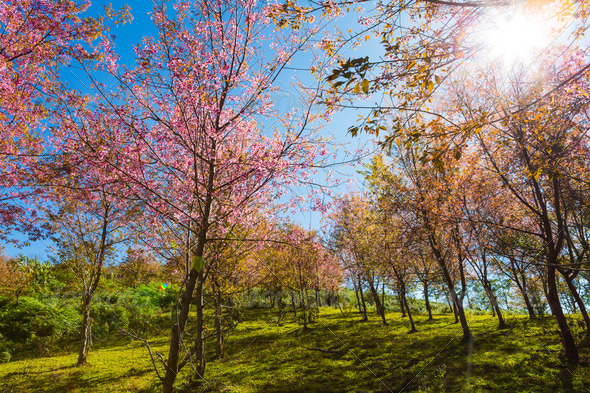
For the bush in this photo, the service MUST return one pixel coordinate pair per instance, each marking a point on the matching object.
(38, 323)
(134, 309)
(5, 356)
(5, 349)
(35, 323)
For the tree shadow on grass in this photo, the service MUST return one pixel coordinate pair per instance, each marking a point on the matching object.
(494, 362)
(68, 378)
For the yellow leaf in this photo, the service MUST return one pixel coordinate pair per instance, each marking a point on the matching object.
(366, 86)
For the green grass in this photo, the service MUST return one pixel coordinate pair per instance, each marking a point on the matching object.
(366, 357)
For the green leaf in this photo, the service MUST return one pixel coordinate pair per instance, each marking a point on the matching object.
(198, 263)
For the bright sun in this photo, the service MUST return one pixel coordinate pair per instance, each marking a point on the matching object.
(517, 39)
(520, 37)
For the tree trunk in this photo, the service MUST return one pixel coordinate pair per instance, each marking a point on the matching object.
(494, 302)
(427, 300)
(378, 305)
(293, 304)
(529, 306)
(318, 300)
(523, 290)
(90, 288)
(501, 321)
(218, 326)
(578, 299)
(195, 280)
(463, 319)
(200, 333)
(85, 330)
(383, 295)
(569, 345)
(232, 310)
(413, 329)
(273, 298)
(553, 247)
(358, 300)
(303, 309)
(401, 303)
(308, 303)
(449, 303)
(459, 311)
(573, 303)
(364, 310)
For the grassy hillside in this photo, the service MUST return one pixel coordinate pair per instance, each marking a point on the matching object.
(336, 354)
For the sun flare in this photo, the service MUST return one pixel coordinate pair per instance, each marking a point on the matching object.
(517, 39)
(521, 36)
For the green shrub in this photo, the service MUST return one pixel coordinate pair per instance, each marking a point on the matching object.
(134, 309)
(36, 323)
(5, 356)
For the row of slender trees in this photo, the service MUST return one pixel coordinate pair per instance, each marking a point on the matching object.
(487, 146)
(510, 200)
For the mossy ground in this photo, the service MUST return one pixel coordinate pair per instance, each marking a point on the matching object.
(337, 353)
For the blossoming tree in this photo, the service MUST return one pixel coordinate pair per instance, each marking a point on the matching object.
(190, 132)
